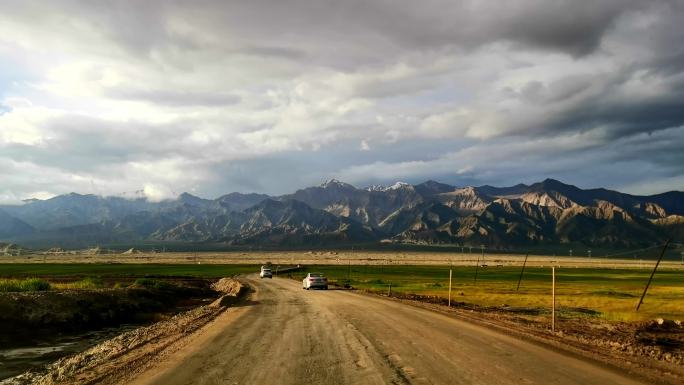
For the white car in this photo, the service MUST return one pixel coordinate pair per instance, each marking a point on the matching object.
(315, 280)
(266, 272)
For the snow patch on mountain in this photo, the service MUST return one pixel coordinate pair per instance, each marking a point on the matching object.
(335, 183)
(396, 186)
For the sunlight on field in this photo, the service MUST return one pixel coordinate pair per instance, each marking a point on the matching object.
(28, 284)
(608, 293)
(612, 293)
(87, 283)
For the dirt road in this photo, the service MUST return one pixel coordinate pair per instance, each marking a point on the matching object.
(285, 335)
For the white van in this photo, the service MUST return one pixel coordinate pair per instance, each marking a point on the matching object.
(266, 272)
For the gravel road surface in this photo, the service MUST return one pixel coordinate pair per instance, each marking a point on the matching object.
(285, 335)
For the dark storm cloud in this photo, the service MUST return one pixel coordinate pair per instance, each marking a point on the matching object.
(566, 26)
(663, 149)
(383, 27)
(610, 104)
(270, 96)
(644, 94)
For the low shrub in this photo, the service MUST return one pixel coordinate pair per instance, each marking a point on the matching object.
(152, 283)
(87, 283)
(83, 284)
(29, 284)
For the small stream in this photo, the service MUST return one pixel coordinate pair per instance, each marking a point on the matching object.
(23, 349)
(36, 352)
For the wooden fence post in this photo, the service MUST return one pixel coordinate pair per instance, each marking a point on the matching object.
(553, 296)
(449, 288)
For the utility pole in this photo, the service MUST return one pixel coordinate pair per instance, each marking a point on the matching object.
(522, 271)
(477, 265)
(483, 259)
(589, 253)
(662, 253)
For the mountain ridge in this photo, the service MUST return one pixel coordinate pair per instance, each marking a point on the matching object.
(546, 212)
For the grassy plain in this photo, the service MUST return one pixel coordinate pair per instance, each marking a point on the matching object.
(343, 257)
(612, 292)
(60, 270)
(17, 277)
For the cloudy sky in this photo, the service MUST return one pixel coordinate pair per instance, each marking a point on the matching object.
(212, 96)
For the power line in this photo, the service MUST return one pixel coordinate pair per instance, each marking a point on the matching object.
(632, 251)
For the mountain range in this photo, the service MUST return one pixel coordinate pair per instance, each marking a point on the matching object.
(545, 213)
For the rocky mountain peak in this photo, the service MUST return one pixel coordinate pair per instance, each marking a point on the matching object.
(552, 184)
(549, 199)
(431, 188)
(187, 196)
(334, 183)
(376, 187)
(468, 191)
(431, 212)
(395, 186)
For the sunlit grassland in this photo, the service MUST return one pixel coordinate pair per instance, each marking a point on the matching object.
(81, 284)
(613, 293)
(27, 284)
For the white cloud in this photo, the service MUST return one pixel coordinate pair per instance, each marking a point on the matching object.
(115, 96)
(157, 193)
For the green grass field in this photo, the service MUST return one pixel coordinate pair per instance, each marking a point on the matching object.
(122, 270)
(612, 292)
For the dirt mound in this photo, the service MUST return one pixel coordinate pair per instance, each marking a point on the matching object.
(231, 289)
(97, 251)
(93, 251)
(11, 249)
(664, 335)
(227, 286)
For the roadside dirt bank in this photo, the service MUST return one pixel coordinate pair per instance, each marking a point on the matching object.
(123, 356)
(28, 315)
(653, 350)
